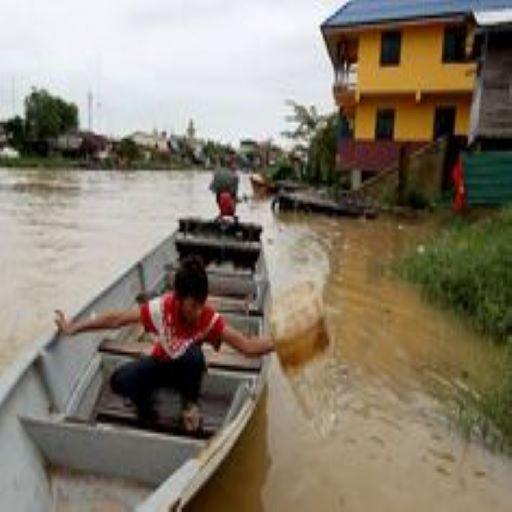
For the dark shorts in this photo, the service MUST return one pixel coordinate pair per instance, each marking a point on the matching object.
(138, 380)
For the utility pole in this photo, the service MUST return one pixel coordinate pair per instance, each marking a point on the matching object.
(90, 107)
(99, 116)
(13, 96)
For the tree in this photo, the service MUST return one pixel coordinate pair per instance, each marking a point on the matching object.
(48, 116)
(283, 169)
(128, 150)
(306, 121)
(15, 130)
(322, 151)
(319, 134)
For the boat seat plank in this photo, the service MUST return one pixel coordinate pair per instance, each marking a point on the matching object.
(225, 269)
(236, 304)
(236, 230)
(218, 243)
(233, 305)
(241, 254)
(147, 457)
(226, 358)
(113, 408)
(226, 285)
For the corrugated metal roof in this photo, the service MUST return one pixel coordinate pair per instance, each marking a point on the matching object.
(362, 12)
(493, 18)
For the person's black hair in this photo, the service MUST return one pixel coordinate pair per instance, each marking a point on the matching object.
(191, 280)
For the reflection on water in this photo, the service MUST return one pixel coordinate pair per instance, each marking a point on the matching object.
(361, 427)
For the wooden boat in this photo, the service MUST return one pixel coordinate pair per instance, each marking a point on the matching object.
(290, 186)
(69, 443)
(313, 203)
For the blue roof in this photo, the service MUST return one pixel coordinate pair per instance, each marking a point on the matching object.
(364, 12)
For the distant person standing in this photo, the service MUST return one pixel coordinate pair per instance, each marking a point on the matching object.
(225, 187)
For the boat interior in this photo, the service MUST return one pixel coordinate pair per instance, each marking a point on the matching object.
(86, 429)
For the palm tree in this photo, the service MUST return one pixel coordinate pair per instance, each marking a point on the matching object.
(306, 121)
(319, 133)
(323, 149)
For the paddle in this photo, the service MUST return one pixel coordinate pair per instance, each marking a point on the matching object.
(298, 325)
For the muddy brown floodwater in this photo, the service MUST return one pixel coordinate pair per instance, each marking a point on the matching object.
(362, 427)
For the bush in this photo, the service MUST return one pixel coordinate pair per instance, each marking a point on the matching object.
(282, 170)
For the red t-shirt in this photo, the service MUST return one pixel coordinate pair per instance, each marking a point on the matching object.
(172, 338)
(227, 204)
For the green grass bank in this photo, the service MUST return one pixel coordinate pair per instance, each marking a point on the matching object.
(468, 267)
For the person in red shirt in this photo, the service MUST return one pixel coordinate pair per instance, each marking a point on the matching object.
(227, 204)
(225, 187)
(179, 322)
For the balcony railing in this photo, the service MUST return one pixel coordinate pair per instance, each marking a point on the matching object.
(345, 77)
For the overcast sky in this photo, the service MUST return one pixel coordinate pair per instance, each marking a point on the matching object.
(228, 64)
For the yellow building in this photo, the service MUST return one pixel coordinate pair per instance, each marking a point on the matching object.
(402, 75)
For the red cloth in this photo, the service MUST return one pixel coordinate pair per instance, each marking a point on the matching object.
(459, 202)
(227, 205)
(160, 317)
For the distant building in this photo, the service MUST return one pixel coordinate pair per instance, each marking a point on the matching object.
(9, 153)
(68, 143)
(249, 153)
(248, 145)
(269, 153)
(404, 74)
(82, 144)
(154, 141)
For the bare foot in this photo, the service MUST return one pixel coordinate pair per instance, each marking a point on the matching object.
(192, 418)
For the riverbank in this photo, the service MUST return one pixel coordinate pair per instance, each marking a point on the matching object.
(59, 163)
(469, 269)
(29, 162)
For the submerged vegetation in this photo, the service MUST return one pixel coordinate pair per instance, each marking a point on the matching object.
(469, 269)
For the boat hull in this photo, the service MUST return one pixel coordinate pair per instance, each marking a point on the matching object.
(59, 447)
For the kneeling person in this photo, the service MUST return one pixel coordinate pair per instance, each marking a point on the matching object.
(180, 322)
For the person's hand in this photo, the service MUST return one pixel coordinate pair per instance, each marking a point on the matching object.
(267, 342)
(64, 326)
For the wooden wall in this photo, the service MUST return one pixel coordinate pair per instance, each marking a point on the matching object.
(493, 110)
